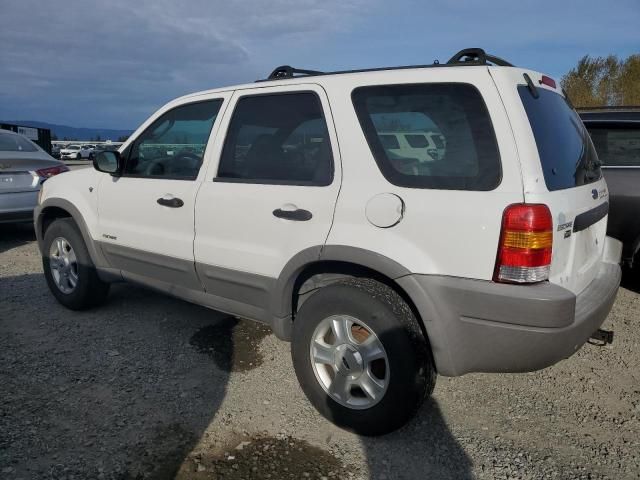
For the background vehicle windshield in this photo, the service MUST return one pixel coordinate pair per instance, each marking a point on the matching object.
(15, 143)
(566, 153)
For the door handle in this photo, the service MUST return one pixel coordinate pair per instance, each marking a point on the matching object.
(297, 215)
(170, 202)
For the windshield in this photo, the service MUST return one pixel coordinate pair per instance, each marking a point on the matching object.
(566, 153)
(15, 143)
(73, 147)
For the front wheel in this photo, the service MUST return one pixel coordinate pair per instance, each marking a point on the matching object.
(68, 269)
(360, 356)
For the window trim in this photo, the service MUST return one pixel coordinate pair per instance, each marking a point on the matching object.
(261, 181)
(127, 152)
(385, 167)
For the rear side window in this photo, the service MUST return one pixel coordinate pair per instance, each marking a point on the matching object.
(468, 159)
(277, 139)
(15, 143)
(417, 141)
(566, 153)
(617, 146)
(389, 141)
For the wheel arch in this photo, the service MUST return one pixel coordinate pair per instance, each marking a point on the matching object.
(319, 266)
(55, 208)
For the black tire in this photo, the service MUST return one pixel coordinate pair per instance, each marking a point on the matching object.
(90, 291)
(412, 374)
(78, 156)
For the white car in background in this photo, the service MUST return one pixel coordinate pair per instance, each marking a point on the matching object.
(417, 145)
(76, 152)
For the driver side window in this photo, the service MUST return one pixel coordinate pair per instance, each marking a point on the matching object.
(173, 146)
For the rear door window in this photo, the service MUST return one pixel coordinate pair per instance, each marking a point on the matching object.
(617, 145)
(277, 139)
(566, 152)
(456, 112)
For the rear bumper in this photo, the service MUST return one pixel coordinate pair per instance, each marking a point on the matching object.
(18, 207)
(480, 326)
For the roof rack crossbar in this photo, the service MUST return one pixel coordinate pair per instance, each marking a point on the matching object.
(287, 71)
(477, 56)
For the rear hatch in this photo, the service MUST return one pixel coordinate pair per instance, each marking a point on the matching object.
(561, 170)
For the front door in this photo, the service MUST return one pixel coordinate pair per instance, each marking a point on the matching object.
(146, 216)
(271, 195)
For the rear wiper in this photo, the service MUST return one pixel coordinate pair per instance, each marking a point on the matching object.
(532, 88)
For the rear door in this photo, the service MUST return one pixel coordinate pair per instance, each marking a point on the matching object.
(272, 194)
(560, 169)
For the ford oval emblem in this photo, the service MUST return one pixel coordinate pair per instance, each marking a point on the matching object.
(594, 194)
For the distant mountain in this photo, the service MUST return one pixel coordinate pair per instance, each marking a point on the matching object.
(73, 133)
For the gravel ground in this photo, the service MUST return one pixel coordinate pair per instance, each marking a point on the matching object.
(149, 387)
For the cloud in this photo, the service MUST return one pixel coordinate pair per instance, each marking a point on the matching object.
(113, 63)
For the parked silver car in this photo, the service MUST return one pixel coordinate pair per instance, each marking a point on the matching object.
(23, 168)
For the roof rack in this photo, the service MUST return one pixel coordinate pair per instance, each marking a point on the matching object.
(287, 71)
(468, 56)
(476, 56)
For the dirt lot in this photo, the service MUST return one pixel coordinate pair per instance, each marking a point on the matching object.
(148, 387)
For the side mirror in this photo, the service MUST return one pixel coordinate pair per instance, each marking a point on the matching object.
(108, 162)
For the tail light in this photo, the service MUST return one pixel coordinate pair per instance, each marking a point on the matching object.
(51, 171)
(524, 252)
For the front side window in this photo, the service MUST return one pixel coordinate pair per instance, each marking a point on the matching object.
(618, 145)
(277, 139)
(16, 143)
(468, 158)
(173, 146)
(566, 152)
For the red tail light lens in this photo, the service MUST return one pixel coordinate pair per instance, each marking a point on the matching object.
(524, 252)
(51, 171)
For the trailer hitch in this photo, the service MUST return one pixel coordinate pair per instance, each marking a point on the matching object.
(601, 338)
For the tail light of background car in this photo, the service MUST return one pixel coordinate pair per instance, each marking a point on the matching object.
(524, 251)
(51, 171)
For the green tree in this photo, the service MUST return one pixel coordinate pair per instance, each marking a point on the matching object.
(123, 138)
(604, 81)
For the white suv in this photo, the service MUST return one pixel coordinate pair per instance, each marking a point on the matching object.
(277, 201)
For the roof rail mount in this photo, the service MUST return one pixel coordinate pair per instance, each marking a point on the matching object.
(477, 56)
(287, 71)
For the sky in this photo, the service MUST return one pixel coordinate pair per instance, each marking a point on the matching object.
(111, 64)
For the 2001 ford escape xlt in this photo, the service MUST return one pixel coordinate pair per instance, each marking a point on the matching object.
(282, 201)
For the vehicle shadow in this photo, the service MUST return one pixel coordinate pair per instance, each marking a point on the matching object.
(118, 392)
(424, 449)
(14, 235)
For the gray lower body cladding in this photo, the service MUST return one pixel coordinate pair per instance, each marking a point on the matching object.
(479, 326)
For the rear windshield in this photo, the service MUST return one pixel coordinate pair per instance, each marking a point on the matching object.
(566, 153)
(455, 112)
(617, 145)
(15, 143)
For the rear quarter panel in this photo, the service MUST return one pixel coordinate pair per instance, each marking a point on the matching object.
(446, 232)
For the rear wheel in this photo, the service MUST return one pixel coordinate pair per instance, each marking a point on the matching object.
(68, 269)
(360, 356)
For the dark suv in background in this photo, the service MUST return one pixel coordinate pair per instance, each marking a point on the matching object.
(615, 132)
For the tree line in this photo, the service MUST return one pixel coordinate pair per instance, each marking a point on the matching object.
(604, 81)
